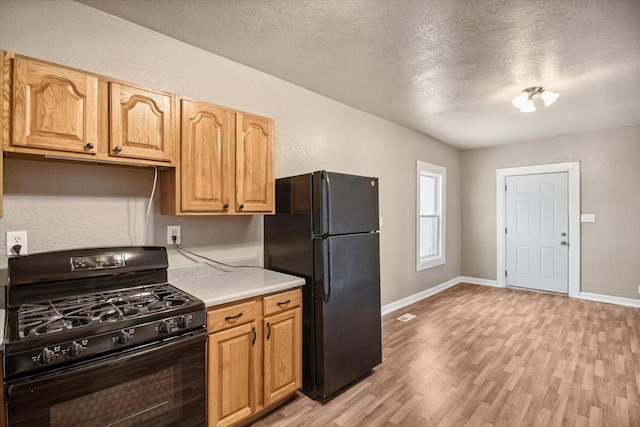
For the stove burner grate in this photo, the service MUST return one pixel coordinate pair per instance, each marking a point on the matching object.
(48, 317)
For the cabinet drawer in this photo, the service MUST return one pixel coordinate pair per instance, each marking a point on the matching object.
(227, 317)
(281, 302)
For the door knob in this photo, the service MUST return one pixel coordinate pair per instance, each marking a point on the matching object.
(564, 243)
(563, 234)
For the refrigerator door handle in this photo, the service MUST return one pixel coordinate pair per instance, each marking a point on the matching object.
(326, 282)
(326, 203)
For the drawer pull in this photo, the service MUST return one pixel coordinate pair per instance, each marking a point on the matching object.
(283, 304)
(237, 316)
(255, 335)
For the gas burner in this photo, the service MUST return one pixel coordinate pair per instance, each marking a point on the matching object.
(96, 309)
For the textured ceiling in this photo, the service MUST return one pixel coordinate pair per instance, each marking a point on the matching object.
(445, 68)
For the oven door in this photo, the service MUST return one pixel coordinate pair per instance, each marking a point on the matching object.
(158, 384)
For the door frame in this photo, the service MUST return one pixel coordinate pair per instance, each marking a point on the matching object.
(573, 175)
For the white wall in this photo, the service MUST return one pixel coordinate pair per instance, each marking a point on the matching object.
(63, 206)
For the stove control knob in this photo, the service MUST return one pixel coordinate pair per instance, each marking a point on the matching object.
(184, 322)
(164, 328)
(123, 337)
(46, 357)
(75, 350)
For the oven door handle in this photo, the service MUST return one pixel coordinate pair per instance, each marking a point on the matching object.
(26, 386)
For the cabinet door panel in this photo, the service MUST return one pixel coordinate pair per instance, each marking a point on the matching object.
(254, 164)
(231, 368)
(140, 123)
(282, 355)
(54, 108)
(206, 139)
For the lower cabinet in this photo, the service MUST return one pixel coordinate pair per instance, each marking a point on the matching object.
(254, 356)
(282, 355)
(232, 366)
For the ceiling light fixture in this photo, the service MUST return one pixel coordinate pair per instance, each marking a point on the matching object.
(524, 101)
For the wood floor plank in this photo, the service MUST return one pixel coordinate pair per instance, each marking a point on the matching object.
(484, 356)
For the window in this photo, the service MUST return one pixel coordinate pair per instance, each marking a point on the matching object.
(431, 183)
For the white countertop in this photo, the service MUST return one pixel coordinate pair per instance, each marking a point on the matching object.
(219, 285)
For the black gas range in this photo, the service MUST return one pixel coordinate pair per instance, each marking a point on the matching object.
(90, 326)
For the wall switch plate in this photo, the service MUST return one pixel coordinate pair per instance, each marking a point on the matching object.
(588, 218)
(381, 222)
(173, 230)
(639, 289)
(17, 238)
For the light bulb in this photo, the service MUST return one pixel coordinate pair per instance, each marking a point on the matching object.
(549, 97)
(528, 107)
(521, 100)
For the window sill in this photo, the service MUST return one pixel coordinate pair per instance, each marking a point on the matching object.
(427, 263)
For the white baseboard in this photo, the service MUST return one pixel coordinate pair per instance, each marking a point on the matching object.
(609, 299)
(477, 281)
(397, 305)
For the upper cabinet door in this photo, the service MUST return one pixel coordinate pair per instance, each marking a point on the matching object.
(140, 123)
(54, 108)
(206, 154)
(255, 180)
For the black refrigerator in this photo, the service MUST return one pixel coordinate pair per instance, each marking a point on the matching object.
(325, 230)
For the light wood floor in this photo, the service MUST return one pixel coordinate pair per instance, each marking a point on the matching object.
(483, 356)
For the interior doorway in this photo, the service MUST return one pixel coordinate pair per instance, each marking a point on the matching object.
(572, 171)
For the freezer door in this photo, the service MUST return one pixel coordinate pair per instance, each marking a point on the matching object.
(344, 204)
(287, 234)
(347, 300)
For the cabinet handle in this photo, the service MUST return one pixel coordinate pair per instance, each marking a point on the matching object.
(253, 342)
(225, 206)
(237, 316)
(117, 149)
(241, 207)
(268, 330)
(283, 304)
(88, 146)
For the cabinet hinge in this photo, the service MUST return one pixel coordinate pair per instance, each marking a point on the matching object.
(505, 230)
(505, 187)
(505, 273)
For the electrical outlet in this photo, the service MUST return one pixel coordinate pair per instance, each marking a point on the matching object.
(17, 238)
(173, 230)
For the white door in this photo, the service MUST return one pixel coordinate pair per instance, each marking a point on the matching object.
(537, 241)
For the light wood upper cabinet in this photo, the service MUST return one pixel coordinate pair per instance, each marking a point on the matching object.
(226, 164)
(58, 111)
(140, 123)
(215, 160)
(54, 108)
(4, 120)
(255, 181)
(205, 157)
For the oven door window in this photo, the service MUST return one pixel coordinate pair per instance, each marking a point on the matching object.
(160, 385)
(128, 404)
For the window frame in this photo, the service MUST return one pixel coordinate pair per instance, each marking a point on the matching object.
(440, 173)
